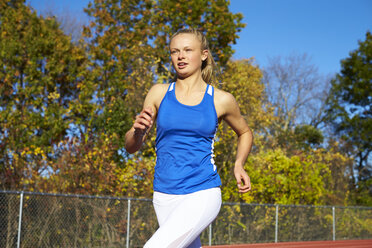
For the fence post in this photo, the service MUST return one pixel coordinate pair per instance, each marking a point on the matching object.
(210, 234)
(20, 220)
(276, 222)
(334, 223)
(128, 223)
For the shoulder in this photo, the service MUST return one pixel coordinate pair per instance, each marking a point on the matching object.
(224, 101)
(158, 88)
(156, 94)
(223, 97)
(157, 91)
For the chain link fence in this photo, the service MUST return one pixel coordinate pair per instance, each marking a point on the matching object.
(54, 220)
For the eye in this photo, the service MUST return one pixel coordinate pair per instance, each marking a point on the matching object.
(174, 52)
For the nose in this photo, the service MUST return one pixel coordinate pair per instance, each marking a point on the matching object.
(181, 55)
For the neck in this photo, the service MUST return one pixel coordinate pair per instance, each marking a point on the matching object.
(192, 83)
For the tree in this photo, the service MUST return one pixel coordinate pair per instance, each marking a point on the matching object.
(350, 112)
(40, 74)
(297, 93)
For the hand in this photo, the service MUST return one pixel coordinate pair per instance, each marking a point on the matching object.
(242, 178)
(143, 121)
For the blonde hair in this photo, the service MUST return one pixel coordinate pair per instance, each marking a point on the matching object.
(208, 67)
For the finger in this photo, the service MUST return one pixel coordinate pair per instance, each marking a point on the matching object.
(145, 119)
(247, 181)
(142, 123)
(148, 111)
(140, 126)
(143, 126)
(243, 188)
(145, 115)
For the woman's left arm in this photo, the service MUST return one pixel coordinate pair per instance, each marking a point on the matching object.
(235, 120)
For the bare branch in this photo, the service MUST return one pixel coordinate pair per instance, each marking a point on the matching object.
(296, 89)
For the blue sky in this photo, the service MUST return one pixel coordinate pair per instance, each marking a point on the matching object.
(326, 30)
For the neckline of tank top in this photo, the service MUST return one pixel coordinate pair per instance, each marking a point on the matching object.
(208, 91)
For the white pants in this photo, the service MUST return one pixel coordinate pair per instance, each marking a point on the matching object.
(183, 217)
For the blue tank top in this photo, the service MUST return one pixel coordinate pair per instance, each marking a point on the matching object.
(184, 145)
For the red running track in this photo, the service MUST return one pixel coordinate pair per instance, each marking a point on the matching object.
(366, 243)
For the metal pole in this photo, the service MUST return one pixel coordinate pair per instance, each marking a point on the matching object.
(128, 223)
(210, 234)
(334, 223)
(276, 223)
(20, 220)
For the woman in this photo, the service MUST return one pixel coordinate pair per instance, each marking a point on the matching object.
(187, 197)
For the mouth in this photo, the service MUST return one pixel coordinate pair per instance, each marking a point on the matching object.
(181, 65)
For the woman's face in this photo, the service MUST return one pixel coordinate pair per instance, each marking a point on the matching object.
(186, 54)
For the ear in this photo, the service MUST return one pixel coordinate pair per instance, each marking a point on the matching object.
(204, 55)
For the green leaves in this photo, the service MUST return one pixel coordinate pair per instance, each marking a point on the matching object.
(350, 110)
(281, 179)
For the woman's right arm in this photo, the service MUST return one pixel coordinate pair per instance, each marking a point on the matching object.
(135, 137)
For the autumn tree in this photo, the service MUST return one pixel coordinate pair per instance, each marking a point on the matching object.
(40, 76)
(350, 113)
